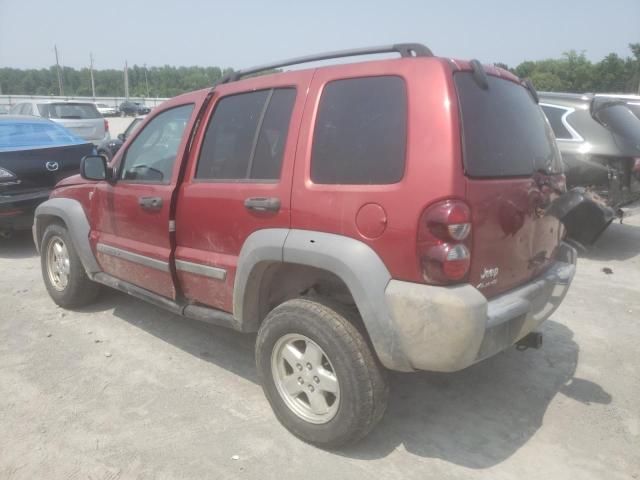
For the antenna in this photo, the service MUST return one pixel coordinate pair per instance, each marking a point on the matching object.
(93, 85)
(60, 88)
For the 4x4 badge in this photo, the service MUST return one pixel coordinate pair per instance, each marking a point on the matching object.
(52, 166)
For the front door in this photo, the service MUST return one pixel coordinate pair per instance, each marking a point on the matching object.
(131, 235)
(238, 181)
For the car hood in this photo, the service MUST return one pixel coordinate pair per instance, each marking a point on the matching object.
(72, 180)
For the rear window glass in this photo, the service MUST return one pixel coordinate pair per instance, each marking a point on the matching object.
(361, 132)
(31, 135)
(71, 111)
(504, 131)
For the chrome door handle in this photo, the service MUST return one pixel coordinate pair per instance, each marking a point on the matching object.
(262, 204)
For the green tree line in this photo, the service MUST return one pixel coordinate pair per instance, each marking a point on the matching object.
(166, 81)
(571, 73)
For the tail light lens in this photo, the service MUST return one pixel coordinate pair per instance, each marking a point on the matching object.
(444, 242)
(106, 125)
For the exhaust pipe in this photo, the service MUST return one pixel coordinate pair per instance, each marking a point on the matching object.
(531, 340)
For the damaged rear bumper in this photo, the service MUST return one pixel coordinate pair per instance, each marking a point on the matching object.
(449, 328)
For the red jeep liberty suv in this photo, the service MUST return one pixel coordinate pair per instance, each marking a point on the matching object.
(389, 214)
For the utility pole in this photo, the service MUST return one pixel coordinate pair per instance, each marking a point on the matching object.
(126, 81)
(145, 79)
(60, 88)
(93, 85)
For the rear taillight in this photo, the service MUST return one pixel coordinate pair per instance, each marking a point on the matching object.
(444, 242)
(636, 165)
(106, 125)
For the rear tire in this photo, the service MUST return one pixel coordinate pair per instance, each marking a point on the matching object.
(62, 271)
(319, 374)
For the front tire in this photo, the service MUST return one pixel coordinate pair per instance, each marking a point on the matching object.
(319, 374)
(62, 271)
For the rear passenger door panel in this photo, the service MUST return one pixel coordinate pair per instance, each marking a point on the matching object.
(238, 181)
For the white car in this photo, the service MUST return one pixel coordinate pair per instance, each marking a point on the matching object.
(106, 110)
(81, 118)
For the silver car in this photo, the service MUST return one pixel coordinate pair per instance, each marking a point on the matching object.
(81, 118)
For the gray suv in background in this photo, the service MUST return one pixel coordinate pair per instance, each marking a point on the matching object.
(599, 139)
(81, 118)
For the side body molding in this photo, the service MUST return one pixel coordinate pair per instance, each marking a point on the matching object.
(72, 214)
(353, 261)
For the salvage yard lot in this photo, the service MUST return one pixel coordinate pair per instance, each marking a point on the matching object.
(125, 390)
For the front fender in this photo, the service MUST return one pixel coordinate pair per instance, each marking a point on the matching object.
(71, 213)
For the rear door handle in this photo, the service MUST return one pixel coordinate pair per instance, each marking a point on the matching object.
(262, 204)
(150, 203)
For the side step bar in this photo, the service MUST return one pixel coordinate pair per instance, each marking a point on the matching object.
(194, 312)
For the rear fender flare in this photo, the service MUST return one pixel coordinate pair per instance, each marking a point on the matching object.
(354, 262)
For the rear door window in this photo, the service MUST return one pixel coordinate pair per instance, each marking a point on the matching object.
(504, 131)
(246, 136)
(361, 132)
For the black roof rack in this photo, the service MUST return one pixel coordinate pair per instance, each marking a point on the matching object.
(404, 49)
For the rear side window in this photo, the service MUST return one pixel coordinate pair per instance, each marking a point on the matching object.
(554, 115)
(361, 132)
(68, 110)
(504, 131)
(246, 135)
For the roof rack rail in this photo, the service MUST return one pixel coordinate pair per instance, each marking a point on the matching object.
(404, 49)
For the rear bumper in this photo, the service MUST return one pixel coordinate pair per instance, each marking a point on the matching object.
(16, 211)
(449, 328)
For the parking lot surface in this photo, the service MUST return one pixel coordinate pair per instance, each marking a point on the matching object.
(125, 390)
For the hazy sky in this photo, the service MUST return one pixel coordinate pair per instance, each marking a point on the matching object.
(243, 33)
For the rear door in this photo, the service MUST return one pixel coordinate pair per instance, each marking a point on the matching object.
(131, 230)
(513, 173)
(238, 181)
(82, 119)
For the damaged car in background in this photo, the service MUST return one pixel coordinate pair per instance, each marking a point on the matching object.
(599, 140)
(35, 154)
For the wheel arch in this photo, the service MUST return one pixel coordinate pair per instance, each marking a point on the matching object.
(70, 213)
(343, 265)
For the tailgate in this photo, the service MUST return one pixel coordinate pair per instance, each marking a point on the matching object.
(513, 172)
(89, 129)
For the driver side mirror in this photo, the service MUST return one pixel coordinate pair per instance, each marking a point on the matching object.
(94, 167)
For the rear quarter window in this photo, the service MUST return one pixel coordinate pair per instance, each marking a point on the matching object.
(555, 116)
(504, 132)
(360, 132)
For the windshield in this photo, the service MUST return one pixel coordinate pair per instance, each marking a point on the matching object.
(14, 135)
(68, 110)
(504, 131)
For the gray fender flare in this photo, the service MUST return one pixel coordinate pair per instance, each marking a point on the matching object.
(359, 267)
(72, 214)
